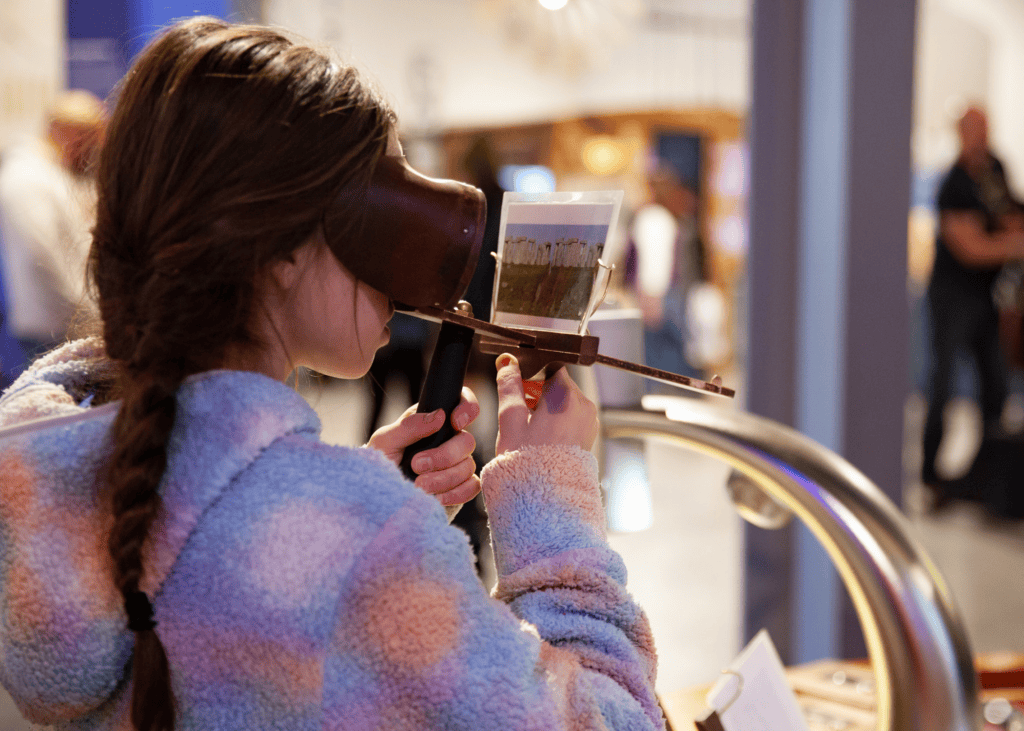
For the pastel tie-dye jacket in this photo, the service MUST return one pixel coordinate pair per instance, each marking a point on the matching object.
(298, 585)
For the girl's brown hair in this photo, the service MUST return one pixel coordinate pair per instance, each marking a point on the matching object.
(225, 148)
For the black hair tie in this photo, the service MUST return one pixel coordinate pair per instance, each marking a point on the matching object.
(140, 612)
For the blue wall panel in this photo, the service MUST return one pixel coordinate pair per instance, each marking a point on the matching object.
(97, 44)
(148, 17)
(104, 35)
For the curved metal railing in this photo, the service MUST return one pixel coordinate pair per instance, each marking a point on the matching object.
(923, 665)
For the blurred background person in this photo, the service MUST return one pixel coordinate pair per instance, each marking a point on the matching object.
(481, 165)
(981, 227)
(47, 208)
(665, 259)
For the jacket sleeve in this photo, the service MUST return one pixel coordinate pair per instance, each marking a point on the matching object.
(417, 643)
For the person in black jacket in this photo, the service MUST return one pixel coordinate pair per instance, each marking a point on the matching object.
(981, 227)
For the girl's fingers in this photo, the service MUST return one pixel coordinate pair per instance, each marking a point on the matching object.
(467, 410)
(513, 414)
(417, 426)
(462, 493)
(409, 428)
(447, 455)
(443, 481)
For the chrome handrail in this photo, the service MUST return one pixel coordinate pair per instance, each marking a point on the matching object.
(917, 644)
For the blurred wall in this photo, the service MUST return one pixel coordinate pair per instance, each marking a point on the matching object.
(31, 64)
(97, 44)
(146, 17)
(830, 182)
(102, 35)
(459, 63)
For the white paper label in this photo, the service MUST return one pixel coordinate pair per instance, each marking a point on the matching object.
(754, 695)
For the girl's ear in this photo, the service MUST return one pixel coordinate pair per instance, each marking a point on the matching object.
(286, 272)
(283, 273)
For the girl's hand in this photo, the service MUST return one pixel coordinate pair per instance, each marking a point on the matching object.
(563, 414)
(448, 472)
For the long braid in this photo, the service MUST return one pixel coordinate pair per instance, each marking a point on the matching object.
(148, 342)
(140, 433)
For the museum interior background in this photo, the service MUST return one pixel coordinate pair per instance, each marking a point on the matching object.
(814, 134)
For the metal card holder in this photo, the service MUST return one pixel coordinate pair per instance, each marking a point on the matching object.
(709, 722)
(712, 719)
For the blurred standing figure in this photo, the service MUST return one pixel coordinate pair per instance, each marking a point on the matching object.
(664, 260)
(47, 208)
(981, 227)
(481, 163)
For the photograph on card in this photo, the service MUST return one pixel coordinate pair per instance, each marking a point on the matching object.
(549, 257)
(548, 270)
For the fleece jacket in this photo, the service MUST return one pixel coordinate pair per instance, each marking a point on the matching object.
(298, 585)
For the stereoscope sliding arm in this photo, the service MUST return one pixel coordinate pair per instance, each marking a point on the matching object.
(916, 641)
(545, 351)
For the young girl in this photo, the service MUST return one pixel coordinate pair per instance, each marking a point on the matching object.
(178, 549)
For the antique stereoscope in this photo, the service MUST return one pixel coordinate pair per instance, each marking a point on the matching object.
(419, 242)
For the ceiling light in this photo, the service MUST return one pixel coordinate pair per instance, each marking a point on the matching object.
(567, 36)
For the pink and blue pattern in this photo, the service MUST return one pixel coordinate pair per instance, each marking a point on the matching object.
(303, 586)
